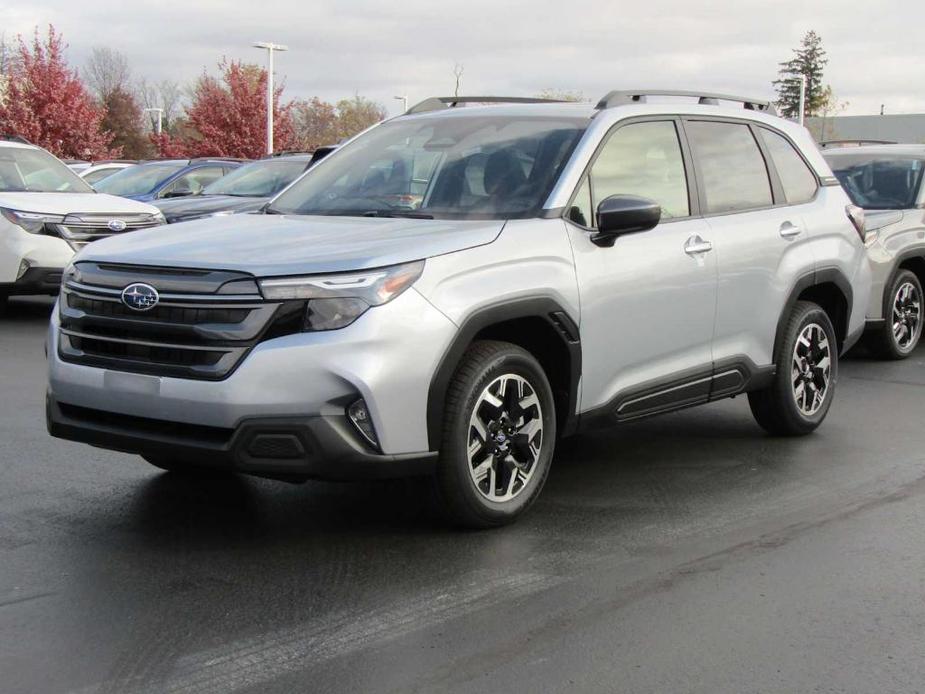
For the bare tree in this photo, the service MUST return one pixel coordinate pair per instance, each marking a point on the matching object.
(458, 70)
(5, 67)
(562, 95)
(166, 95)
(106, 71)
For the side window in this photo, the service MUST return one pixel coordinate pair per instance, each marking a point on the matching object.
(194, 181)
(642, 159)
(580, 211)
(732, 170)
(795, 176)
(200, 178)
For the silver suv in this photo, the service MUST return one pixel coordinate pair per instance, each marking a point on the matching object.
(888, 182)
(458, 287)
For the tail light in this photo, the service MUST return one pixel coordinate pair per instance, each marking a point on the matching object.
(856, 215)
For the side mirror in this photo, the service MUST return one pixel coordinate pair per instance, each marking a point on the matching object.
(624, 214)
(183, 189)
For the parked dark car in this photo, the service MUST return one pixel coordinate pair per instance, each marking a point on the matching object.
(245, 189)
(166, 178)
(888, 182)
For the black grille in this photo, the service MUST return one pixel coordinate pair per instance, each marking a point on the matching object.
(166, 314)
(189, 334)
(149, 354)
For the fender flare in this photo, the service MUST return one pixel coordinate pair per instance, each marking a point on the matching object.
(543, 307)
(812, 279)
(903, 256)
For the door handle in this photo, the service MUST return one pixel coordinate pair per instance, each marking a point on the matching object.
(788, 230)
(696, 245)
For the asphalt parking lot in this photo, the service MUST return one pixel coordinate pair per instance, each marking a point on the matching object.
(689, 553)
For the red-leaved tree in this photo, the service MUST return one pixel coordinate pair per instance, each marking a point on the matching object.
(47, 104)
(228, 116)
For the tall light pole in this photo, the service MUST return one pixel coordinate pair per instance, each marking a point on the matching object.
(160, 115)
(270, 47)
(404, 102)
(802, 97)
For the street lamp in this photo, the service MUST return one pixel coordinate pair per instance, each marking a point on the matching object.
(160, 115)
(270, 47)
(404, 102)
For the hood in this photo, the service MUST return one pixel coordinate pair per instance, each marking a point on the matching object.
(74, 203)
(267, 245)
(178, 209)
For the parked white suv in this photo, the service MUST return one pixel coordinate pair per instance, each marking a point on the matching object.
(457, 288)
(47, 212)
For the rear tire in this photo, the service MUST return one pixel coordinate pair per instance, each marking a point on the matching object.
(801, 393)
(499, 434)
(902, 311)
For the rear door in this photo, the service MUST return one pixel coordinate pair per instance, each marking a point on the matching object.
(758, 234)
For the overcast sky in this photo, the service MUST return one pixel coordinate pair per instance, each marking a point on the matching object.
(513, 47)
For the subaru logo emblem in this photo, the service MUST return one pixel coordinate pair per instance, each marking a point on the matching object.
(140, 297)
(116, 225)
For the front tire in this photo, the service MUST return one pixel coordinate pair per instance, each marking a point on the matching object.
(499, 434)
(900, 334)
(801, 393)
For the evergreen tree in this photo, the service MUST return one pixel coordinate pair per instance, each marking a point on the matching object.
(809, 60)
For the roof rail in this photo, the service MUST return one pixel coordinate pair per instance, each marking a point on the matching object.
(636, 96)
(437, 103)
(199, 159)
(829, 144)
(15, 138)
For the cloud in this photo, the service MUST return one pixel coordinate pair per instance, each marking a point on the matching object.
(381, 49)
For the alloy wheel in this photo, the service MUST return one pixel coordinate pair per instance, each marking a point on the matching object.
(505, 437)
(907, 316)
(811, 369)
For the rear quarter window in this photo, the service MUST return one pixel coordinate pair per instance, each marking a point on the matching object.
(797, 179)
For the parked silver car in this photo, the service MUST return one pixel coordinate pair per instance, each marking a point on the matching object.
(888, 181)
(459, 287)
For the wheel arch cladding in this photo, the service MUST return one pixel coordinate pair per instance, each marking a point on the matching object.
(912, 260)
(828, 288)
(542, 327)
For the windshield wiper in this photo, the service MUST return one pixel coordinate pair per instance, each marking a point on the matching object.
(398, 213)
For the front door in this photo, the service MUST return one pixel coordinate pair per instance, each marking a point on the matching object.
(648, 302)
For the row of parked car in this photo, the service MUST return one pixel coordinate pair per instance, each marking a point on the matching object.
(458, 288)
(49, 215)
(208, 185)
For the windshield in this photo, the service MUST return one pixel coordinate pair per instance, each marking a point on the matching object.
(487, 167)
(878, 182)
(138, 180)
(94, 177)
(260, 179)
(36, 171)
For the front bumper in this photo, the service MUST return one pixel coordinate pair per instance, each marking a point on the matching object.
(387, 357)
(291, 448)
(41, 252)
(35, 280)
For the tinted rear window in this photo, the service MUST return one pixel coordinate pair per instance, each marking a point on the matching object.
(732, 170)
(877, 181)
(798, 180)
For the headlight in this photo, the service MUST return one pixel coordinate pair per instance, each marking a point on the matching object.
(335, 301)
(33, 222)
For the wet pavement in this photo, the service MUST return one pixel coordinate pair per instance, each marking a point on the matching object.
(687, 553)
